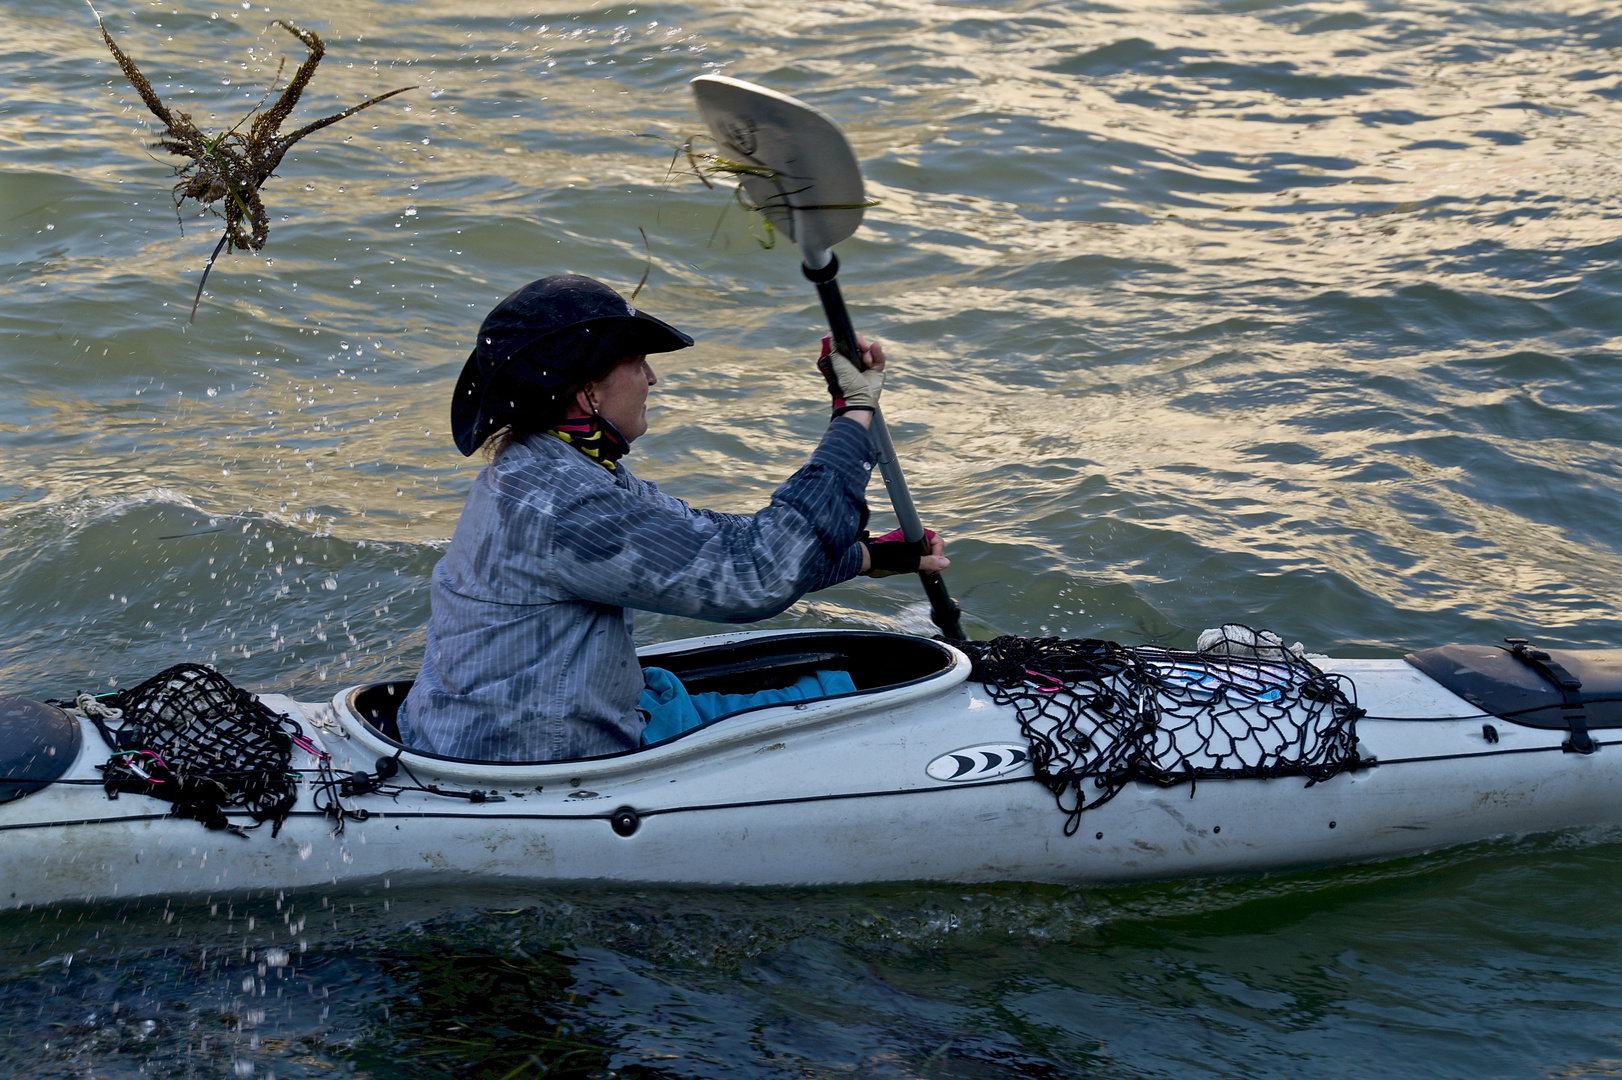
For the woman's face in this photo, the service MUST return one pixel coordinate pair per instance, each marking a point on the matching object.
(621, 396)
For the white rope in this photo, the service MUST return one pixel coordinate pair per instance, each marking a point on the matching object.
(90, 707)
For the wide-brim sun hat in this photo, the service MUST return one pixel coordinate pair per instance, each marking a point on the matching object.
(542, 341)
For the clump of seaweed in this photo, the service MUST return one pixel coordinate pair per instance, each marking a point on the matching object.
(227, 170)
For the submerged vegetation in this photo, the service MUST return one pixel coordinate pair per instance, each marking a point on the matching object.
(228, 169)
(463, 1007)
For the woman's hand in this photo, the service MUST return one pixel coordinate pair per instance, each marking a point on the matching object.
(855, 392)
(892, 554)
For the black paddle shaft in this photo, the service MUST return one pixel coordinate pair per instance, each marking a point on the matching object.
(943, 610)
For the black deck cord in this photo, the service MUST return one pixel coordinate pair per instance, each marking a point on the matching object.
(107, 734)
(376, 783)
(474, 796)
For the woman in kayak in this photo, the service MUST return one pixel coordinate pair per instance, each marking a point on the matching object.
(529, 653)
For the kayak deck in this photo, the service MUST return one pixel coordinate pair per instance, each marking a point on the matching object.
(924, 779)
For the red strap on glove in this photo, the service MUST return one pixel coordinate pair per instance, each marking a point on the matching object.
(826, 366)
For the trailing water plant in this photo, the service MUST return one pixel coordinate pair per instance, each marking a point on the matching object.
(705, 165)
(228, 169)
(469, 1009)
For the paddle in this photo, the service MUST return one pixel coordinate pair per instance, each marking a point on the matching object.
(796, 166)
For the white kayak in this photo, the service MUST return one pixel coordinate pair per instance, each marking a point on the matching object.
(919, 776)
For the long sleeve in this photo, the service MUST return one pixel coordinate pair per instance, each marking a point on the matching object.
(647, 550)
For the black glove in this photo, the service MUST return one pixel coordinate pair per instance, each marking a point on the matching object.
(892, 553)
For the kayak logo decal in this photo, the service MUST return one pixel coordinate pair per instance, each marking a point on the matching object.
(979, 762)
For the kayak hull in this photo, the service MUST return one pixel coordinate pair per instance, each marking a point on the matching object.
(844, 791)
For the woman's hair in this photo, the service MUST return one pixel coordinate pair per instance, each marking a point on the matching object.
(533, 405)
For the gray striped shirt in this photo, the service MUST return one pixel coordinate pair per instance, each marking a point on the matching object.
(530, 656)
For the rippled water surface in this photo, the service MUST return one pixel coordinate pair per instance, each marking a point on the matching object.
(1303, 314)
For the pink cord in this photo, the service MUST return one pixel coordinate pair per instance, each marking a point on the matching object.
(308, 746)
(1054, 689)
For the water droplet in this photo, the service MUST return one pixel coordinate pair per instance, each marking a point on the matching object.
(49, 227)
(213, 391)
(309, 187)
(411, 211)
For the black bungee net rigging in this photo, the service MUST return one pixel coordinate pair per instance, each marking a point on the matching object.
(1099, 715)
(190, 737)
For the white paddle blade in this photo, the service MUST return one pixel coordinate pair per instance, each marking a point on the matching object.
(796, 165)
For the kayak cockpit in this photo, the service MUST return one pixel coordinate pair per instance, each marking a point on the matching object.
(747, 665)
(874, 661)
(378, 704)
(884, 667)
